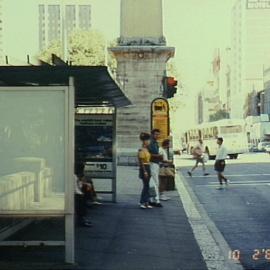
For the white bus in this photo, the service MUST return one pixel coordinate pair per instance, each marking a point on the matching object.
(231, 130)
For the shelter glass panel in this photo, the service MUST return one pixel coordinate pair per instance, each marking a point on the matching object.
(32, 147)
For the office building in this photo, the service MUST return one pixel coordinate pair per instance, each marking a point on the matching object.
(250, 50)
(57, 19)
(1, 33)
(208, 102)
(221, 66)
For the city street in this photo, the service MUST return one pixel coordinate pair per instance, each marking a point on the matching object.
(239, 212)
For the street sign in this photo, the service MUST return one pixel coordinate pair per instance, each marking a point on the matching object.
(94, 144)
(160, 117)
(98, 169)
(258, 4)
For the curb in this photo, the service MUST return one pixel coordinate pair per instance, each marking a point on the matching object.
(213, 246)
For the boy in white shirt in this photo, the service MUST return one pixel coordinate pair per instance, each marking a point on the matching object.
(198, 155)
(220, 163)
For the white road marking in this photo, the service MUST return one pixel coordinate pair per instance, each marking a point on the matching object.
(231, 175)
(213, 251)
(246, 182)
(237, 184)
(240, 183)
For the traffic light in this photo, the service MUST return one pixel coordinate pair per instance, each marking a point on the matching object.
(169, 87)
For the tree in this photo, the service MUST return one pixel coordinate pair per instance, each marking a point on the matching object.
(54, 48)
(84, 48)
(87, 48)
(111, 61)
(172, 69)
(221, 114)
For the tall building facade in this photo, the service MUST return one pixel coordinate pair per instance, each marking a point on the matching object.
(1, 33)
(264, 96)
(250, 50)
(215, 94)
(208, 102)
(222, 77)
(58, 18)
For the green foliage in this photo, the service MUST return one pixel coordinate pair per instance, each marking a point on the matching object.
(54, 48)
(172, 69)
(84, 48)
(87, 48)
(221, 114)
(112, 63)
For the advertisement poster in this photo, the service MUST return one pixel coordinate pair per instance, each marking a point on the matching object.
(160, 117)
(94, 143)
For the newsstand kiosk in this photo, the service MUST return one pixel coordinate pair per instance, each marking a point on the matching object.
(39, 106)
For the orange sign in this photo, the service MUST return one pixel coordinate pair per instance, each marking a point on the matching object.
(160, 117)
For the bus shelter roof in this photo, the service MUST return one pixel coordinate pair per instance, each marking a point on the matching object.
(94, 85)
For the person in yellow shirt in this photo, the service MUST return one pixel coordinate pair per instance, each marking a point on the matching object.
(144, 170)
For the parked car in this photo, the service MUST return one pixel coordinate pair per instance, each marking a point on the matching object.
(262, 145)
(252, 147)
(267, 148)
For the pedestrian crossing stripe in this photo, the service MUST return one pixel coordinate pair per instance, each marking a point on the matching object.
(231, 175)
(238, 184)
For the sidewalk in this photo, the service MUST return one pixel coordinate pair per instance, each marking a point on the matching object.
(124, 237)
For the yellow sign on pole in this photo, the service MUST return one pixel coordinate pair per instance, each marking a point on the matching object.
(160, 117)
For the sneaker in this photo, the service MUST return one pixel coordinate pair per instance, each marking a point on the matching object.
(190, 174)
(152, 203)
(205, 174)
(142, 206)
(164, 197)
(227, 183)
(96, 203)
(149, 207)
(159, 205)
(86, 223)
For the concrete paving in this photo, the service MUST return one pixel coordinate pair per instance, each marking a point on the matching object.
(240, 212)
(122, 237)
(126, 237)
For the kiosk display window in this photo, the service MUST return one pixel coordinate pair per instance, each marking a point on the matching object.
(94, 143)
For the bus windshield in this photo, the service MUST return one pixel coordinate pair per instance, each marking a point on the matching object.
(231, 129)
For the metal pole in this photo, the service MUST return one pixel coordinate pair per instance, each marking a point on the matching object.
(69, 184)
(114, 184)
(64, 31)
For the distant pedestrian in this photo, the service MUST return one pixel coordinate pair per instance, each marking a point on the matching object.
(166, 166)
(144, 171)
(198, 154)
(220, 163)
(156, 158)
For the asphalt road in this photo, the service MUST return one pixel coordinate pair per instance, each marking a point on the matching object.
(240, 212)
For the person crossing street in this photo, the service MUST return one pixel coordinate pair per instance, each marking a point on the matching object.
(220, 163)
(198, 154)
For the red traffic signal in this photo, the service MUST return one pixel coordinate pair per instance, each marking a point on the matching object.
(169, 87)
(171, 81)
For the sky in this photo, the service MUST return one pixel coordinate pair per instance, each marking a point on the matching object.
(194, 27)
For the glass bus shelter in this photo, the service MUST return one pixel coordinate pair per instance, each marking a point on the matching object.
(40, 107)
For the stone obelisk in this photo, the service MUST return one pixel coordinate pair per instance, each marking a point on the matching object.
(141, 56)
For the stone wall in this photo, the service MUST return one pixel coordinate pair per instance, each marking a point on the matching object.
(140, 71)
